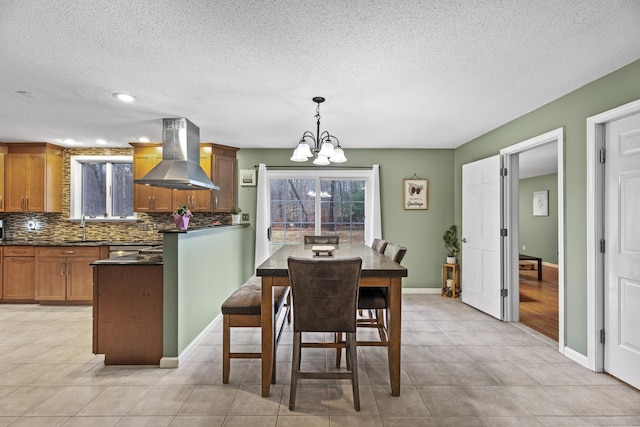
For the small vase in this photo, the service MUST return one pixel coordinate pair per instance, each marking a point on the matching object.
(451, 260)
(182, 222)
(235, 219)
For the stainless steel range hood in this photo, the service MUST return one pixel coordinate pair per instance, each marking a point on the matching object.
(180, 166)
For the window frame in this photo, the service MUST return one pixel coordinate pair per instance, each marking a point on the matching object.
(327, 174)
(75, 193)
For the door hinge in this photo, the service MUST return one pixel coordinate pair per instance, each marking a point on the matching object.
(504, 292)
(602, 336)
(602, 155)
(601, 245)
(503, 232)
(503, 171)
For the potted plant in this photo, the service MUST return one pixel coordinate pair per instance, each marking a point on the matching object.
(181, 217)
(235, 215)
(451, 244)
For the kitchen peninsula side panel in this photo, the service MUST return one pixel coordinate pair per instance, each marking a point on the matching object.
(127, 314)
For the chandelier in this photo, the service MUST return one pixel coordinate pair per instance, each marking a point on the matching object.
(324, 150)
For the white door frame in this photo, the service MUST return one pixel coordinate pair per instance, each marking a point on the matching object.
(511, 245)
(595, 230)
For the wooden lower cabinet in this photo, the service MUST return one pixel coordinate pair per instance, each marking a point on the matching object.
(18, 272)
(64, 273)
(127, 314)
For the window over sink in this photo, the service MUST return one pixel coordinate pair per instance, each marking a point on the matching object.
(102, 188)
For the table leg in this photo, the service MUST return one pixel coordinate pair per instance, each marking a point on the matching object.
(395, 330)
(539, 268)
(267, 333)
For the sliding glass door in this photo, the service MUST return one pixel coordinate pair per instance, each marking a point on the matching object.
(315, 205)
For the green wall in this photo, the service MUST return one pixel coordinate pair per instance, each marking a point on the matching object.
(539, 233)
(571, 112)
(419, 230)
(201, 269)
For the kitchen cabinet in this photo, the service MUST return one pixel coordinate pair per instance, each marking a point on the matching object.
(196, 200)
(147, 198)
(18, 271)
(218, 162)
(64, 273)
(3, 156)
(127, 314)
(224, 176)
(33, 178)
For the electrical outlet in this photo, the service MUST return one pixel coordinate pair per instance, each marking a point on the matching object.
(143, 227)
(524, 247)
(245, 217)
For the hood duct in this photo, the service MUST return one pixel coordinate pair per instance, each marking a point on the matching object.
(180, 166)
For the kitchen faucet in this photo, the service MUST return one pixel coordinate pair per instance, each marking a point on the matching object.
(83, 225)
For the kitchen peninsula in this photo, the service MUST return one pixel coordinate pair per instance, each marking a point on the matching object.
(149, 309)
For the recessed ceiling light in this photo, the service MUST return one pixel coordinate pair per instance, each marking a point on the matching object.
(143, 139)
(101, 141)
(69, 141)
(124, 97)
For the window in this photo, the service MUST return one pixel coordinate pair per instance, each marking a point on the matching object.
(298, 209)
(321, 203)
(102, 187)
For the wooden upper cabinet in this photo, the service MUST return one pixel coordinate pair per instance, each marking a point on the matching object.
(224, 176)
(196, 200)
(3, 155)
(33, 178)
(217, 161)
(147, 198)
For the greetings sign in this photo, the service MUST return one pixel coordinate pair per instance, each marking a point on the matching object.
(415, 193)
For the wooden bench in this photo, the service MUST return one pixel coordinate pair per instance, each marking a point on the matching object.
(242, 310)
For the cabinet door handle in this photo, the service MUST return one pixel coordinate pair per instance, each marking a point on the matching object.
(1, 202)
(61, 269)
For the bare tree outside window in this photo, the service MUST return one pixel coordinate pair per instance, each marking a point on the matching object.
(293, 209)
(107, 190)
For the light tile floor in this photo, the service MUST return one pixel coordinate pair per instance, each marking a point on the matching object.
(459, 368)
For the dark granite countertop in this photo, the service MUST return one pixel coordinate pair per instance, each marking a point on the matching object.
(139, 259)
(78, 242)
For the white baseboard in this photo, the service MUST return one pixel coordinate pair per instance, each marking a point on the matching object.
(174, 362)
(421, 290)
(576, 357)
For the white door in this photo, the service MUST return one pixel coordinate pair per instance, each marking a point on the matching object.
(481, 259)
(622, 253)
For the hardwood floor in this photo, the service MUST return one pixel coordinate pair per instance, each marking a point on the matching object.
(539, 300)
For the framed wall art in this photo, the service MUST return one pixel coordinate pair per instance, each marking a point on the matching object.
(248, 177)
(415, 193)
(541, 203)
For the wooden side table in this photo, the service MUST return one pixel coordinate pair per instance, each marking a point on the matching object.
(451, 271)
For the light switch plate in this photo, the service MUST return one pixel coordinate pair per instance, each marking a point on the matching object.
(245, 217)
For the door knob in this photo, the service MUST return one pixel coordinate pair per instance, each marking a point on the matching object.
(464, 240)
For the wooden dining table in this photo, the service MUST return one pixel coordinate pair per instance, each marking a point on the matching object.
(377, 271)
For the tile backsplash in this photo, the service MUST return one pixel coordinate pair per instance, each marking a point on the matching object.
(56, 226)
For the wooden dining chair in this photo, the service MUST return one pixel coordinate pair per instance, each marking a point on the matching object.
(376, 302)
(325, 294)
(321, 240)
(379, 245)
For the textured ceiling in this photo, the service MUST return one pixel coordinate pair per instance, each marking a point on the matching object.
(403, 73)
